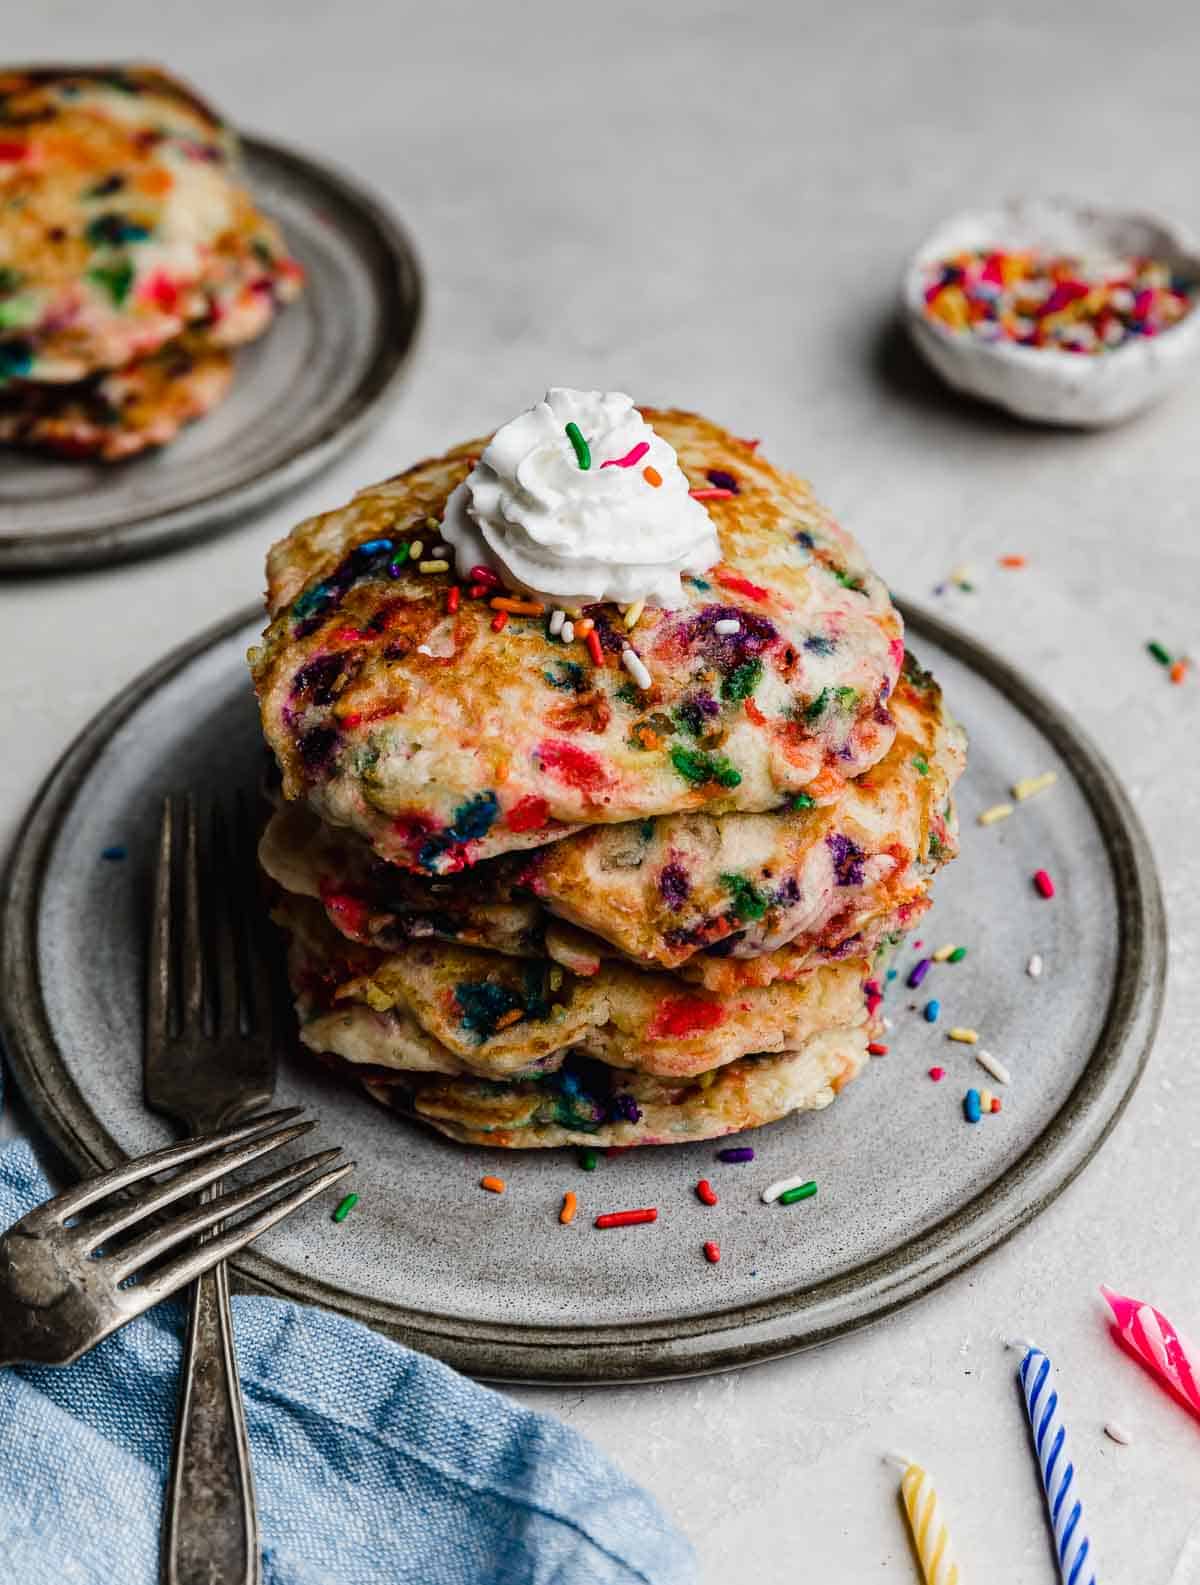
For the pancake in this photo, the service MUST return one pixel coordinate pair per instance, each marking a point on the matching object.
(123, 221)
(437, 1007)
(589, 1106)
(443, 742)
(728, 901)
(117, 415)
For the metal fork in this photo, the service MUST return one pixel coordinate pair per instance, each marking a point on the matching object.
(213, 1012)
(68, 1279)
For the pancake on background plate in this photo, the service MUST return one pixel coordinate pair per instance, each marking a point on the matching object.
(607, 787)
(124, 225)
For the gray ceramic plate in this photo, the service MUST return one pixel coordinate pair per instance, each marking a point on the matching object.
(909, 1192)
(301, 395)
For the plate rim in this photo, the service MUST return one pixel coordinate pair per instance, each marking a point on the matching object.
(217, 511)
(681, 1346)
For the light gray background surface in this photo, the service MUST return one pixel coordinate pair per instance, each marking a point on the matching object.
(710, 206)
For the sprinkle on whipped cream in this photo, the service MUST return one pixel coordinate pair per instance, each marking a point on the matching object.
(620, 525)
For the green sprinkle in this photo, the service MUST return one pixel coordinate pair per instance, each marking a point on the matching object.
(748, 901)
(701, 768)
(803, 801)
(116, 280)
(742, 680)
(399, 558)
(803, 1191)
(589, 1161)
(847, 581)
(957, 955)
(816, 707)
(583, 455)
(922, 764)
(344, 1209)
(1159, 653)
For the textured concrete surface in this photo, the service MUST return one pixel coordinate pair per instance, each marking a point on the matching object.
(710, 205)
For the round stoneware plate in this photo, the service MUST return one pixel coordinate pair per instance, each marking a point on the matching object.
(910, 1193)
(301, 394)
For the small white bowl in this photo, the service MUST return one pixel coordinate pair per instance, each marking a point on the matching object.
(1047, 383)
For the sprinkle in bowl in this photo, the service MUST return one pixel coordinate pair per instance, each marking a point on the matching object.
(1060, 312)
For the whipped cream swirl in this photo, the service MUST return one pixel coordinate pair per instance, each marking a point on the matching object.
(622, 528)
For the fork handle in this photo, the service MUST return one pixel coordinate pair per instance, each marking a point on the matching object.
(210, 1529)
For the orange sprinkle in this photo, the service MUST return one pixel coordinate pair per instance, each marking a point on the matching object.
(995, 1103)
(593, 644)
(569, 1206)
(514, 1015)
(1178, 671)
(492, 1185)
(1014, 561)
(652, 476)
(499, 621)
(453, 595)
(584, 626)
(751, 444)
(754, 712)
(517, 607)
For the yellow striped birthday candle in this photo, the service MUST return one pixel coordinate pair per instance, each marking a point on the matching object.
(930, 1535)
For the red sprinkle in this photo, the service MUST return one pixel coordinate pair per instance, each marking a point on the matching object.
(873, 1001)
(528, 814)
(631, 458)
(477, 590)
(484, 575)
(705, 1192)
(937, 1074)
(876, 1048)
(573, 766)
(453, 595)
(680, 1016)
(712, 1252)
(593, 647)
(751, 443)
(1043, 883)
(740, 585)
(627, 1218)
(711, 492)
(499, 621)
(11, 153)
(995, 1103)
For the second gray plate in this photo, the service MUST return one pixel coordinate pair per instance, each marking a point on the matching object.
(300, 396)
(910, 1193)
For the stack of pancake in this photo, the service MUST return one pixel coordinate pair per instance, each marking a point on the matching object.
(132, 260)
(533, 902)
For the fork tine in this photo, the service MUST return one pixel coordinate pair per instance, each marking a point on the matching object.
(200, 1218)
(223, 1245)
(59, 1210)
(224, 928)
(97, 1230)
(192, 1015)
(158, 985)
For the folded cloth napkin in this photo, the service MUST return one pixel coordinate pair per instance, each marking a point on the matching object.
(373, 1464)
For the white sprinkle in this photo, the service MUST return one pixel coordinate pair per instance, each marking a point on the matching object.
(1035, 966)
(773, 1190)
(1117, 1433)
(568, 632)
(557, 617)
(727, 624)
(441, 550)
(889, 1023)
(424, 649)
(993, 1066)
(636, 667)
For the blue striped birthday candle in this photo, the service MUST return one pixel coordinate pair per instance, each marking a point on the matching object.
(1071, 1542)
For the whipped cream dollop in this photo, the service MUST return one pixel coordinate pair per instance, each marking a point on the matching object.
(603, 515)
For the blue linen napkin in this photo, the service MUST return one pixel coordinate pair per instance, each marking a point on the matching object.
(374, 1465)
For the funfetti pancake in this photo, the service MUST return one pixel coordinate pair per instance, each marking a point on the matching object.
(403, 702)
(587, 1104)
(728, 900)
(497, 1016)
(123, 221)
(117, 415)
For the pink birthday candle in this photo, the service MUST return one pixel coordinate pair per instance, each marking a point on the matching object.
(1147, 1333)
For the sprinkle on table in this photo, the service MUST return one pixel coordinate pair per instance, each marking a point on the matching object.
(937, 1074)
(1117, 1433)
(1031, 785)
(345, 1207)
(1035, 966)
(1179, 669)
(802, 1191)
(583, 455)
(113, 855)
(627, 1218)
(781, 1186)
(931, 1010)
(943, 953)
(570, 1205)
(589, 1161)
(965, 1037)
(876, 1048)
(492, 1185)
(972, 1106)
(996, 812)
(736, 1153)
(957, 955)
(705, 1192)
(1043, 883)
(1014, 561)
(1160, 654)
(918, 972)
(994, 1066)
(712, 1252)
